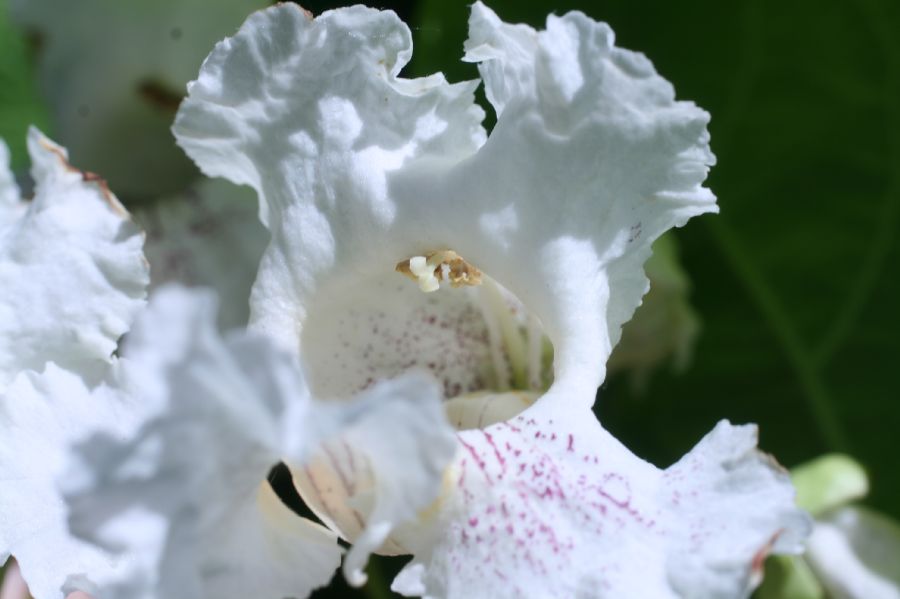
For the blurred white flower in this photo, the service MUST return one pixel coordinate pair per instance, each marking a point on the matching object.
(538, 231)
(853, 551)
(206, 236)
(113, 74)
(72, 276)
(168, 485)
(179, 487)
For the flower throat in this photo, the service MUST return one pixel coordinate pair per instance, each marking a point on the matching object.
(521, 355)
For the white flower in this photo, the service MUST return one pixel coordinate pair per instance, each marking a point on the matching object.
(113, 74)
(853, 551)
(182, 491)
(72, 276)
(539, 230)
(174, 443)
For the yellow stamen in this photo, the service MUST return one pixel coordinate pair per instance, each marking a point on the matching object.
(444, 265)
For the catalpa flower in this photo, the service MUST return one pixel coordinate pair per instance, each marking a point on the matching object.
(72, 276)
(532, 237)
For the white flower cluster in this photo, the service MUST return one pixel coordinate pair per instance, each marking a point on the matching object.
(448, 417)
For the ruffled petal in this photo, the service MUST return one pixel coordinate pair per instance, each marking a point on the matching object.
(114, 74)
(39, 415)
(364, 482)
(207, 236)
(553, 506)
(854, 552)
(72, 271)
(11, 204)
(184, 496)
(311, 114)
(593, 159)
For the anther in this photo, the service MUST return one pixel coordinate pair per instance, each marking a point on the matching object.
(444, 265)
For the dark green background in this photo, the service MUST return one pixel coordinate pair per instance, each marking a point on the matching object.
(796, 281)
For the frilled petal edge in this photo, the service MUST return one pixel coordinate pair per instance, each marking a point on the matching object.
(72, 270)
(183, 495)
(367, 481)
(553, 506)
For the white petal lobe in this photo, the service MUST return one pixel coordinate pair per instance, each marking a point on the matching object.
(854, 553)
(552, 507)
(184, 496)
(40, 414)
(11, 204)
(72, 271)
(613, 161)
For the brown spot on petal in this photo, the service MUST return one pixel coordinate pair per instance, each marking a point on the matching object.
(306, 13)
